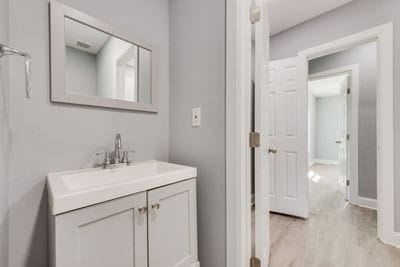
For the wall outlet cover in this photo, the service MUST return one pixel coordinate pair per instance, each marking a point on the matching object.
(196, 117)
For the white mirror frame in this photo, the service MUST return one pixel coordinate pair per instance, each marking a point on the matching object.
(58, 12)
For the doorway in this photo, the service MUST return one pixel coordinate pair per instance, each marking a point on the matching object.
(238, 119)
(328, 135)
(339, 150)
(328, 138)
(332, 180)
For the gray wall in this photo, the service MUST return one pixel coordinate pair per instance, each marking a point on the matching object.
(80, 72)
(366, 57)
(4, 136)
(198, 80)
(327, 127)
(356, 16)
(49, 137)
(144, 76)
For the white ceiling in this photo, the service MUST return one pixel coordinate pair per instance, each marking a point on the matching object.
(75, 31)
(285, 14)
(326, 86)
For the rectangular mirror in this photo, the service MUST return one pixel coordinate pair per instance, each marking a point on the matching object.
(93, 64)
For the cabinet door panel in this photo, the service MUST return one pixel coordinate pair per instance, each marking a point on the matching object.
(113, 233)
(172, 225)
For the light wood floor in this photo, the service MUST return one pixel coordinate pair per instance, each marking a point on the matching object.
(336, 234)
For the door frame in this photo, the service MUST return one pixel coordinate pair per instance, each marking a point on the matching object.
(354, 71)
(385, 116)
(238, 119)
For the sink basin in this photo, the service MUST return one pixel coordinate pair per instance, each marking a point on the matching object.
(76, 189)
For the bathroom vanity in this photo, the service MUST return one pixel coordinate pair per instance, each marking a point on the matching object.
(140, 215)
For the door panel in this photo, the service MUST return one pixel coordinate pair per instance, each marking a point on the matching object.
(113, 233)
(291, 175)
(272, 174)
(261, 165)
(289, 139)
(172, 225)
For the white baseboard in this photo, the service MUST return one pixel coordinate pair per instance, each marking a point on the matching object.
(396, 239)
(323, 161)
(311, 162)
(366, 202)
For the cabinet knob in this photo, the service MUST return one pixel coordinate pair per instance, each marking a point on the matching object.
(142, 210)
(272, 150)
(155, 206)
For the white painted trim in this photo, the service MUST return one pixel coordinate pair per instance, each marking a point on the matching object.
(238, 81)
(366, 202)
(326, 161)
(354, 71)
(396, 239)
(311, 163)
(385, 116)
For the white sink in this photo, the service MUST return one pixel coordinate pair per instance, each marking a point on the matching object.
(80, 188)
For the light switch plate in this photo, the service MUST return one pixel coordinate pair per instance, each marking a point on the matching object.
(196, 117)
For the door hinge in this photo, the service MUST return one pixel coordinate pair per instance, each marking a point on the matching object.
(348, 91)
(347, 136)
(255, 262)
(255, 14)
(347, 182)
(254, 139)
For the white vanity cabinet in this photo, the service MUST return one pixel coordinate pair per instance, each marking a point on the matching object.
(172, 225)
(155, 228)
(113, 233)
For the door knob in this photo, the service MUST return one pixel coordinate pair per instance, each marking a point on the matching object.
(272, 150)
(155, 206)
(338, 142)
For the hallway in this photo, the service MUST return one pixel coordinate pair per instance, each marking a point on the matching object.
(336, 234)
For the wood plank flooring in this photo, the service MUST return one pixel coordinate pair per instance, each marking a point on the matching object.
(336, 234)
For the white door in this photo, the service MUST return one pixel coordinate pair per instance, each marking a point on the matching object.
(260, 125)
(172, 225)
(342, 141)
(287, 120)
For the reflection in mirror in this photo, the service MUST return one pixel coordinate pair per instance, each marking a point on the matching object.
(101, 65)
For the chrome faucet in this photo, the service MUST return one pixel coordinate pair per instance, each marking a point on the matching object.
(118, 146)
(114, 159)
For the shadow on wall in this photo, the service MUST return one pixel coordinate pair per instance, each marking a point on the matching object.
(5, 129)
(4, 241)
(5, 147)
(36, 241)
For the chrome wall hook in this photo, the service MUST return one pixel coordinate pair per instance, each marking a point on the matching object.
(8, 51)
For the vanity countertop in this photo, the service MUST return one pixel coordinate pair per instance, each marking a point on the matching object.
(76, 189)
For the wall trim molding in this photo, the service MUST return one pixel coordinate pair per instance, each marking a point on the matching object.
(323, 161)
(368, 203)
(311, 162)
(396, 239)
(238, 187)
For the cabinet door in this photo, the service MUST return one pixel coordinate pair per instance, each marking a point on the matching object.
(172, 226)
(112, 233)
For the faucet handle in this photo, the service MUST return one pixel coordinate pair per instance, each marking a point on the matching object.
(106, 158)
(125, 158)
